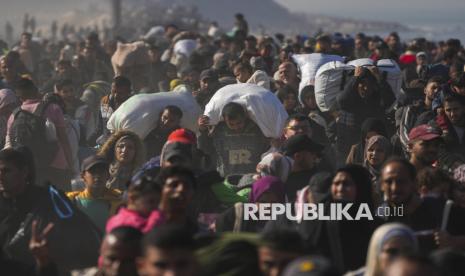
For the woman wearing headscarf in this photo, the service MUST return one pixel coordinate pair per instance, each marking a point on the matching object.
(377, 150)
(268, 189)
(387, 242)
(125, 152)
(8, 102)
(275, 164)
(344, 241)
(370, 127)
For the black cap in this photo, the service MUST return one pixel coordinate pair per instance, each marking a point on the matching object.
(177, 149)
(209, 74)
(91, 161)
(301, 142)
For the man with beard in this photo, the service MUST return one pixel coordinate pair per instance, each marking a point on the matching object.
(454, 138)
(423, 215)
(424, 142)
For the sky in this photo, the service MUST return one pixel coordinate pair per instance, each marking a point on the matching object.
(438, 14)
(409, 12)
(403, 11)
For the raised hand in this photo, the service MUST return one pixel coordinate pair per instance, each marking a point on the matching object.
(38, 244)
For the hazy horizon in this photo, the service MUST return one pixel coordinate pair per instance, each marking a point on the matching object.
(408, 12)
(447, 14)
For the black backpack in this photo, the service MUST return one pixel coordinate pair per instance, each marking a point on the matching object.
(29, 130)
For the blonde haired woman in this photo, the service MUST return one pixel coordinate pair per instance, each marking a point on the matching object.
(387, 242)
(125, 152)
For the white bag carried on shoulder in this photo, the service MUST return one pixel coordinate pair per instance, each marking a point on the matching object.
(309, 64)
(140, 113)
(331, 78)
(330, 81)
(262, 105)
(392, 73)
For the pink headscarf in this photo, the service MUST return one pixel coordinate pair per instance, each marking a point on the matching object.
(268, 183)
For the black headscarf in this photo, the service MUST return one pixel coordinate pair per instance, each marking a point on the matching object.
(362, 180)
(372, 124)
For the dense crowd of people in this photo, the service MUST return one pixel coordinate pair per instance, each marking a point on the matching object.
(80, 198)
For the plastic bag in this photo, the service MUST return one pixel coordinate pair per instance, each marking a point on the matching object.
(140, 113)
(331, 78)
(185, 47)
(263, 107)
(309, 65)
(392, 73)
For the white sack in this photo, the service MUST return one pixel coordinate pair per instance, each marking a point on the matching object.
(361, 62)
(140, 113)
(329, 83)
(185, 47)
(393, 74)
(263, 107)
(309, 64)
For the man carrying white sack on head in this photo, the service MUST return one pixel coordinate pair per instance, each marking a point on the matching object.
(237, 142)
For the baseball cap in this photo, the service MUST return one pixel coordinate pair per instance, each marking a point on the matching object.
(178, 150)
(91, 161)
(421, 54)
(301, 142)
(209, 74)
(310, 266)
(183, 135)
(424, 132)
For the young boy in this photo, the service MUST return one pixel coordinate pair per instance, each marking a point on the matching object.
(96, 200)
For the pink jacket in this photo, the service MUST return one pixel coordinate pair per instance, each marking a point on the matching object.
(131, 218)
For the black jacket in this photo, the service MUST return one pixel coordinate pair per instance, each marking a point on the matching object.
(372, 106)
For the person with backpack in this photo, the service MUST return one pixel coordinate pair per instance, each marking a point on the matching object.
(28, 127)
(26, 208)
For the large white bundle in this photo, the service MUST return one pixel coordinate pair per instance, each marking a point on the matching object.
(329, 82)
(185, 47)
(361, 62)
(155, 33)
(263, 107)
(330, 79)
(391, 70)
(140, 113)
(309, 65)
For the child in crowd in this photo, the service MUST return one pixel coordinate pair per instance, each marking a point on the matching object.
(142, 203)
(96, 200)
